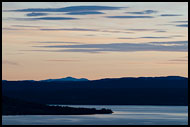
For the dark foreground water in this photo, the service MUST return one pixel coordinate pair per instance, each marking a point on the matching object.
(123, 115)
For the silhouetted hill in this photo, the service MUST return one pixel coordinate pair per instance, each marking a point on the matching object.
(64, 79)
(171, 90)
(12, 106)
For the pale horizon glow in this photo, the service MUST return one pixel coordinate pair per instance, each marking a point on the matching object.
(93, 40)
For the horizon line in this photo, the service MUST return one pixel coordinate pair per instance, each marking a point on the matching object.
(102, 78)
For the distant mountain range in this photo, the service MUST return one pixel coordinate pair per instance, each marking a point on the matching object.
(64, 79)
(169, 90)
(84, 79)
(56, 80)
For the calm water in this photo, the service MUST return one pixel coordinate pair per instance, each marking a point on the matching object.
(123, 115)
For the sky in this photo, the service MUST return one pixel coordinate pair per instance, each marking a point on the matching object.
(94, 40)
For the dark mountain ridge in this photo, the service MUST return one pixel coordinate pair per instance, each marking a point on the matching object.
(171, 90)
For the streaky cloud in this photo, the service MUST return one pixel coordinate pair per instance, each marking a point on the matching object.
(172, 42)
(155, 37)
(180, 22)
(129, 17)
(65, 60)
(46, 18)
(85, 13)
(121, 47)
(176, 36)
(160, 31)
(114, 31)
(90, 35)
(55, 42)
(84, 29)
(172, 62)
(142, 29)
(36, 14)
(182, 25)
(25, 26)
(126, 38)
(148, 37)
(86, 50)
(69, 29)
(10, 62)
(69, 9)
(143, 12)
(179, 60)
(11, 29)
(168, 15)
(54, 18)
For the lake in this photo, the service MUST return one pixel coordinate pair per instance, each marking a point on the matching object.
(123, 115)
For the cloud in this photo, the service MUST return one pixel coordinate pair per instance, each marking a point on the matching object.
(36, 14)
(85, 13)
(155, 37)
(24, 26)
(179, 60)
(90, 35)
(182, 25)
(172, 62)
(126, 38)
(10, 62)
(172, 24)
(69, 29)
(160, 31)
(19, 53)
(129, 17)
(46, 18)
(87, 50)
(142, 30)
(172, 42)
(21, 27)
(70, 9)
(148, 37)
(180, 22)
(177, 36)
(11, 29)
(84, 29)
(56, 60)
(151, 37)
(168, 15)
(120, 47)
(114, 31)
(55, 42)
(143, 12)
(168, 24)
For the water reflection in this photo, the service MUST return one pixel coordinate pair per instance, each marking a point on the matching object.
(123, 115)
